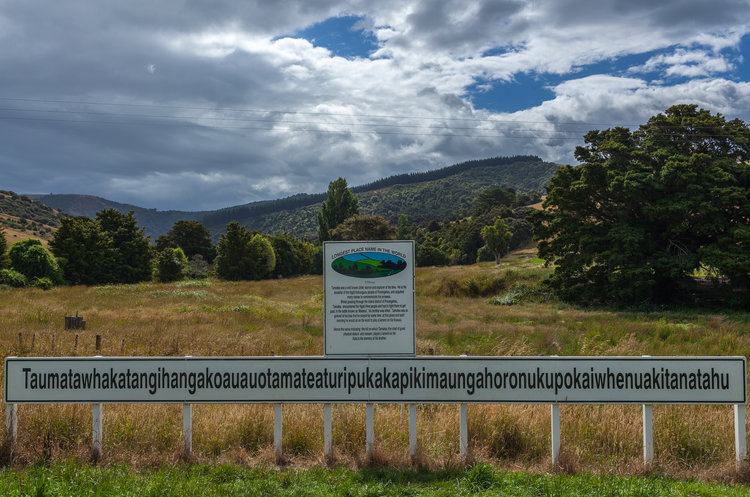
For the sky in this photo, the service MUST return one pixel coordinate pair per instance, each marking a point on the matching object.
(192, 105)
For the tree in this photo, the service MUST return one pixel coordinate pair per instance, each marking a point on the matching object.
(293, 256)
(133, 253)
(171, 264)
(31, 259)
(243, 255)
(262, 256)
(497, 238)
(338, 206)
(86, 253)
(490, 198)
(3, 249)
(231, 258)
(402, 228)
(645, 209)
(192, 237)
(363, 227)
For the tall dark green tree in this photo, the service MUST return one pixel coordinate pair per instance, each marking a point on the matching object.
(647, 208)
(134, 257)
(3, 249)
(338, 206)
(85, 252)
(244, 255)
(192, 237)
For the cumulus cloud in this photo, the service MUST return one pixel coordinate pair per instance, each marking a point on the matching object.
(198, 106)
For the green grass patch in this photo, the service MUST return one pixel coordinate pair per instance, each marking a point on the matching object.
(74, 480)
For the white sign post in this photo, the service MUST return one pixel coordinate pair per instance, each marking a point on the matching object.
(369, 298)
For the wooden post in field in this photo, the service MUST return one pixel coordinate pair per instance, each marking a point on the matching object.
(96, 432)
(370, 432)
(11, 426)
(555, 434)
(277, 432)
(740, 436)
(98, 345)
(648, 434)
(327, 433)
(187, 431)
(413, 433)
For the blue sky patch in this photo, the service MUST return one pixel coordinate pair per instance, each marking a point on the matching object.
(341, 36)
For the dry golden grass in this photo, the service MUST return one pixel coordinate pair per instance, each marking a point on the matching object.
(284, 317)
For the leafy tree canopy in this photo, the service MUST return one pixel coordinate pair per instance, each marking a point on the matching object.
(171, 264)
(646, 208)
(86, 253)
(133, 254)
(3, 249)
(192, 237)
(497, 238)
(31, 259)
(338, 206)
(490, 198)
(244, 255)
(364, 227)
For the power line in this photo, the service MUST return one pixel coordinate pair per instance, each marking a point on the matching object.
(312, 130)
(336, 114)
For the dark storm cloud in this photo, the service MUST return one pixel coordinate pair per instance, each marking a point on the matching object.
(156, 103)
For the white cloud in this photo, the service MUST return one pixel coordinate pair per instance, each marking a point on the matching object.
(210, 71)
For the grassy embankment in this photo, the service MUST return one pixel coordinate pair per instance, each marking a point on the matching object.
(453, 317)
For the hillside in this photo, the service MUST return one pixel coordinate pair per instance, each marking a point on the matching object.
(154, 221)
(422, 197)
(23, 217)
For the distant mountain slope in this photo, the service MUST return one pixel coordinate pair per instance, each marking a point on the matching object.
(421, 196)
(155, 222)
(23, 217)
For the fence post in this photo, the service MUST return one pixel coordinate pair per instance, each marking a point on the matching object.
(413, 432)
(277, 432)
(11, 426)
(555, 434)
(648, 434)
(463, 421)
(740, 437)
(96, 432)
(187, 431)
(370, 432)
(464, 432)
(327, 433)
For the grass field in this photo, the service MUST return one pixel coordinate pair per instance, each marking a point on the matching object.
(207, 481)
(454, 316)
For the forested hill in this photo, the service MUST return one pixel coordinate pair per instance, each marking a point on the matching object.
(154, 221)
(422, 197)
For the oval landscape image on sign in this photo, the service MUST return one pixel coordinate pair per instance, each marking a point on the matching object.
(368, 265)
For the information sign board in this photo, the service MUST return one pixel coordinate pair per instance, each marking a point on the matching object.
(369, 298)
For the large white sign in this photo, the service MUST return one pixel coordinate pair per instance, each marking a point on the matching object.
(369, 298)
(616, 380)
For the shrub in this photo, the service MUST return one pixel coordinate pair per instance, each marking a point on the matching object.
(170, 265)
(12, 278)
(31, 259)
(43, 283)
